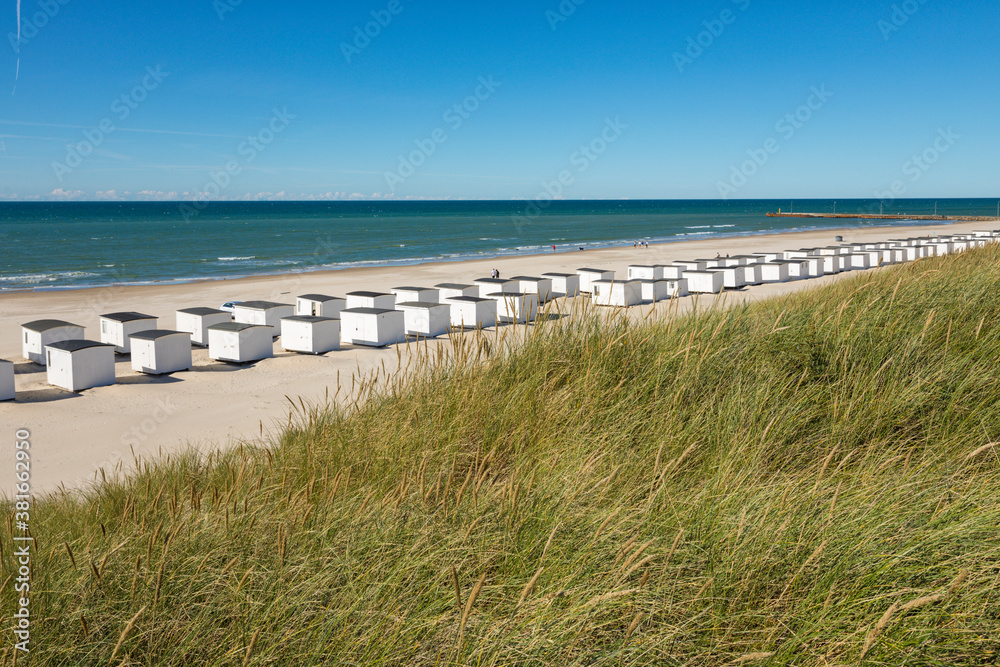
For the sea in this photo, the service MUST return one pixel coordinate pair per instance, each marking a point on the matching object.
(72, 245)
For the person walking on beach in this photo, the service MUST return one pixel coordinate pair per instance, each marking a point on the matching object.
(495, 274)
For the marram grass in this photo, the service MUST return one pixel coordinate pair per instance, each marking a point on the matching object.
(812, 480)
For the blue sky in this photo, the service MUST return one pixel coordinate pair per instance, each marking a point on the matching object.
(230, 99)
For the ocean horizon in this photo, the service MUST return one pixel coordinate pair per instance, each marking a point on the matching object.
(74, 245)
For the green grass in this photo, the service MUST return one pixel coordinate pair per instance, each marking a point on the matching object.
(803, 481)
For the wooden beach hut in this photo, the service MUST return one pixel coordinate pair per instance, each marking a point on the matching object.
(319, 305)
(452, 290)
(733, 277)
(800, 269)
(76, 365)
(590, 276)
(859, 261)
(36, 335)
(116, 328)
(373, 300)
(472, 312)
(692, 264)
(159, 351)
(518, 308)
(310, 334)
(266, 313)
(417, 294)
(532, 285)
(372, 327)
(567, 284)
(832, 264)
(775, 272)
(654, 291)
(673, 272)
(240, 342)
(427, 319)
(645, 272)
(196, 322)
(705, 282)
(677, 288)
(621, 294)
(489, 286)
(7, 392)
(907, 253)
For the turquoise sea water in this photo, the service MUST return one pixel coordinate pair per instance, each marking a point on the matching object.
(79, 244)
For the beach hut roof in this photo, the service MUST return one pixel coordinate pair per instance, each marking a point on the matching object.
(595, 270)
(127, 317)
(421, 304)
(531, 278)
(235, 326)
(40, 326)
(312, 319)
(319, 297)
(202, 311)
(413, 289)
(154, 334)
(74, 345)
(469, 299)
(367, 311)
(261, 305)
(560, 275)
(453, 286)
(368, 294)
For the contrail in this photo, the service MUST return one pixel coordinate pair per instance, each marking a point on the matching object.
(17, 73)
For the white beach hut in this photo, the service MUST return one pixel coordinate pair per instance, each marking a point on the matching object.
(815, 266)
(753, 274)
(266, 313)
(692, 264)
(36, 335)
(645, 272)
(117, 327)
(673, 272)
(77, 365)
(532, 285)
(240, 342)
(621, 294)
(472, 312)
(417, 294)
(908, 253)
(590, 276)
(158, 351)
(372, 300)
(567, 284)
(310, 334)
(775, 272)
(800, 269)
(319, 305)
(705, 282)
(452, 290)
(765, 257)
(733, 277)
(800, 253)
(518, 308)
(858, 261)
(7, 392)
(196, 322)
(488, 286)
(833, 264)
(654, 290)
(677, 288)
(372, 327)
(427, 319)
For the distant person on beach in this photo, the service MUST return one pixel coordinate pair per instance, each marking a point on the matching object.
(496, 273)
(553, 248)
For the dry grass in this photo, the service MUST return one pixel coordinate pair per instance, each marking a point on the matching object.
(810, 480)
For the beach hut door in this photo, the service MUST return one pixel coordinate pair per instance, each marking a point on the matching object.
(315, 309)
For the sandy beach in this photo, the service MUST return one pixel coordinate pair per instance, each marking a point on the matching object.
(217, 405)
